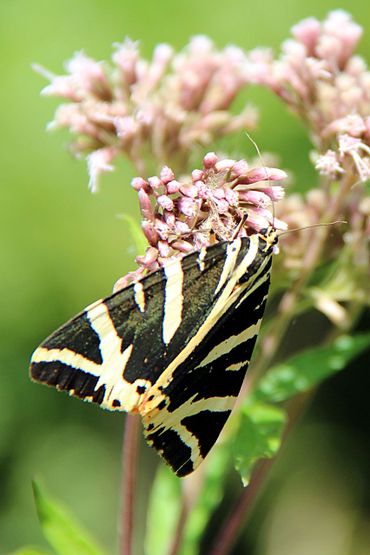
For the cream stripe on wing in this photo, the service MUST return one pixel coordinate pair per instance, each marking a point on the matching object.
(68, 357)
(213, 404)
(237, 366)
(259, 278)
(230, 343)
(173, 300)
(114, 361)
(201, 257)
(166, 419)
(101, 323)
(232, 252)
(110, 371)
(139, 296)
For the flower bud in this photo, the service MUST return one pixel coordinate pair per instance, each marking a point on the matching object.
(154, 182)
(166, 175)
(164, 249)
(139, 183)
(258, 198)
(187, 206)
(182, 246)
(239, 168)
(173, 186)
(263, 174)
(189, 190)
(197, 175)
(145, 205)
(165, 202)
(210, 160)
(150, 232)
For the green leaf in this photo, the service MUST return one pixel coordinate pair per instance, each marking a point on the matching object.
(136, 233)
(306, 369)
(163, 513)
(262, 424)
(209, 497)
(259, 436)
(60, 529)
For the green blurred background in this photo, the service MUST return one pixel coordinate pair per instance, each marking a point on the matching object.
(62, 248)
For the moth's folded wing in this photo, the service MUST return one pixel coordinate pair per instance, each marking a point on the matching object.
(116, 348)
(201, 387)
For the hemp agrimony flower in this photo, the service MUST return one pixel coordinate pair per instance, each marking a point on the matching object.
(150, 110)
(318, 76)
(223, 200)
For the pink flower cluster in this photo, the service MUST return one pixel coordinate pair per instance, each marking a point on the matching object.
(223, 200)
(321, 79)
(157, 110)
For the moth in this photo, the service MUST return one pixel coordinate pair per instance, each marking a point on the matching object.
(173, 347)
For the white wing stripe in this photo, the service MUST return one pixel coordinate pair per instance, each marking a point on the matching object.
(232, 252)
(139, 296)
(68, 357)
(173, 300)
(229, 344)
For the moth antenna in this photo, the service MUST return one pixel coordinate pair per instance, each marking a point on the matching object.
(257, 150)
(266, 172)
(313, 225)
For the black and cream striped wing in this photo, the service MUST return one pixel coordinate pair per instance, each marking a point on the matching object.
(199, 388)
(118, 347)
(142, 349)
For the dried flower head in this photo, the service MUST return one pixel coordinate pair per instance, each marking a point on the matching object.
(320, 78)
(299, 212)
(158, 109)
(223, 200)
(347, 246)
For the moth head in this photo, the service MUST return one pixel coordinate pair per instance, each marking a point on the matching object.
(270, 236)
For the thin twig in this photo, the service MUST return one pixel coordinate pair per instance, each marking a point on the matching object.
(179, 532)
(229, 533)
(128, 481)
(192, 488)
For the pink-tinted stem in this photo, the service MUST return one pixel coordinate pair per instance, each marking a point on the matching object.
(129, 468)
(176, 543)
(228, 535)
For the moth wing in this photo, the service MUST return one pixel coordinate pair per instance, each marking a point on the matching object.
(116, 349)
(199, 394)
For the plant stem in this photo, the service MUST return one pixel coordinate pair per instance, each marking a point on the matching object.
(128, 481)
(229, 533)
(192, 488)
(184, 512)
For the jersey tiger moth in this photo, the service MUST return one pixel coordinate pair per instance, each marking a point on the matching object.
(173, 347)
